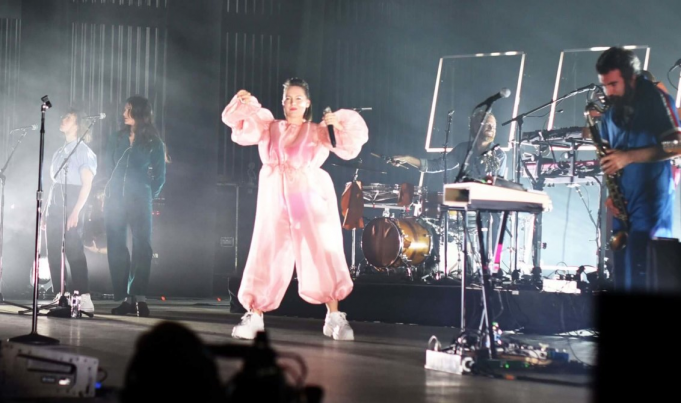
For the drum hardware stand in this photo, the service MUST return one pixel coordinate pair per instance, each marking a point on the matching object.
(354, 268)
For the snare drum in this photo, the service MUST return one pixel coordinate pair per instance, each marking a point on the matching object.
(394, 242)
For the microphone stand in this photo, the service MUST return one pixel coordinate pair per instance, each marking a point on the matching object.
(445, 234)
(63, 302)
(3, 179)
(34, 337)
(354, 268)
(517, 161)
(459, 178)
(462, 172)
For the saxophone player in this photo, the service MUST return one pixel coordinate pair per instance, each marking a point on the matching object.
(640, 118)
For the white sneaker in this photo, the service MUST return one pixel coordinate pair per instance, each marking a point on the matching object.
(337, 326)
(86, 304)
(250, 325)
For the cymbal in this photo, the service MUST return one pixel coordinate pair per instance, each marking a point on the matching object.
(356, 165)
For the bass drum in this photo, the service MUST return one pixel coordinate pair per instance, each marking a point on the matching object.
(395, 242)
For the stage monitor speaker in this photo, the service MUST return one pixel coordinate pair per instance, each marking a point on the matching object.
(664, 269)
(233, 232)
(32, 372)
(636, 350)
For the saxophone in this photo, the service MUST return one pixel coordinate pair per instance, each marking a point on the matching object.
(618, 240)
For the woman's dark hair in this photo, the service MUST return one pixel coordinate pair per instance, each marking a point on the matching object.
(80, 121)
(299, 82)
(145, 131)
(621, 59)
(141, 112)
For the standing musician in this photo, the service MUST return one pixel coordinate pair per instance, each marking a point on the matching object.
(136, 160)
(74, 182)
(296, 223)
(641, 116)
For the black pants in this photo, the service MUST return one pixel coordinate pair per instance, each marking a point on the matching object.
(129, 277)
(73, 245)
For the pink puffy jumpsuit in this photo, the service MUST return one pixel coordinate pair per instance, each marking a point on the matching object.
(297, 221)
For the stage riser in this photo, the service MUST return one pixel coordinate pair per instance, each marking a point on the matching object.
(431, 305)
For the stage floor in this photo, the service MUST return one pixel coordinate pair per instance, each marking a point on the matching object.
(384, 364)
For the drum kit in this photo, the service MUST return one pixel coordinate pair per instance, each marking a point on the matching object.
(410, 241)
(407, 240)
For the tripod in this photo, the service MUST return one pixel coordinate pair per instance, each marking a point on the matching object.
(34, 337)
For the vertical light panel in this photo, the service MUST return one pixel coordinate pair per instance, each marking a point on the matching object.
(461, 81)
(114, 60)
(250, 59)
(10, 47)
(678, 91)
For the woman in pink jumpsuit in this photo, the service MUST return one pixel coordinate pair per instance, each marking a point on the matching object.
(297, 222)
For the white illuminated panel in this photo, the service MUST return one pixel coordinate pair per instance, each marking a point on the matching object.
(478, 97)
(590, 72)
(678, 91)
(462, 82)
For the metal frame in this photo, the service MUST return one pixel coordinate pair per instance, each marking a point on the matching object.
(552, 112)
(437, 88)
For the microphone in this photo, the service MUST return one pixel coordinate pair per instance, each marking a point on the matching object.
(450, 113)
(31, 127)
(99, 116)
(46, 102)
(332, 135)
(360, 109)
(504, 93)
(589, 87)
(677, 64)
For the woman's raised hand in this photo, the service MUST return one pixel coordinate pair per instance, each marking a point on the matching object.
(243, 96)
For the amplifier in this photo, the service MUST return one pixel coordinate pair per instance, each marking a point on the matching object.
(664, 272)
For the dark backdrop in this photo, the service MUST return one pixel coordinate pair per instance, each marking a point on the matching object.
(190, 58)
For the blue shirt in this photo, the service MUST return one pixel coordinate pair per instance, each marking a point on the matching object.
(82, 158)
(647, 187)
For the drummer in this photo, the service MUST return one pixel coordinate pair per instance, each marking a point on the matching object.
(487, 159)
